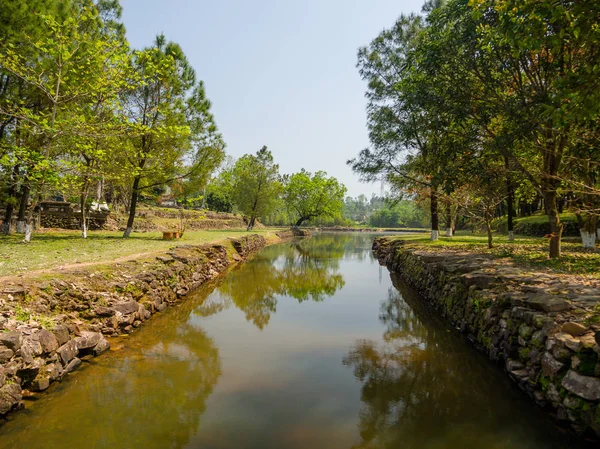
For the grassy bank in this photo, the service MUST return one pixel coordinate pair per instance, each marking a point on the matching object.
(528, 251)
(59, 249)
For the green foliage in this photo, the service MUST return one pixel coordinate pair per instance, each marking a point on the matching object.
(308, 197)
(400, 215)
(482, 102)
(22, 314)
(256, 185)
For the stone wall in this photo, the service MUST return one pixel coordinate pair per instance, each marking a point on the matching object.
(72, 222)
(542, 328)
(47, 329)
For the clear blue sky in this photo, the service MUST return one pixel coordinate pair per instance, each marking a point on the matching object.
(279, 73)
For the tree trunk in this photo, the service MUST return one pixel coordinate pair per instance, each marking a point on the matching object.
(30, 217)
(488, 226)
(435, 224)
(10, 196)
(300, 221)
(251, 224)
(449, 223)
(134, 199)
(7, 218)
(22, 208)
(83, 213)
(510, 206)
(556, 226)
(587, 229)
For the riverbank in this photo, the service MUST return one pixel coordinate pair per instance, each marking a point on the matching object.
(542, 326)
(51, 323)
(65, 250)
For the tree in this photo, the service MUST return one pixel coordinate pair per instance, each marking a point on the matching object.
(308, 196)
(170, 122)
(256, 185)
(75, 64)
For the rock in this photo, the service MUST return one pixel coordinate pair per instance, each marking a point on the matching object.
(588, 341)
(575, 329)
(571, 402)
(5, 354)
(40, 383)
(540, 320)
(14, 290)
(582, 386)
(2, 376)
(165, 259)
(548, 303)
(10, 397)
(73, 365)
(12, 340)
(479, 279)
(573, 343)
(513, 365)
(48, 341)
(11, 368)
(104, 311)
(87, 340)
(61, 333)
(30, 349)
(126, 307)
(102, 346)
(160, 307)
(53, 371)
(67, 352)
(550, 366)
(525, 331)
(597, 338)
(553, 394)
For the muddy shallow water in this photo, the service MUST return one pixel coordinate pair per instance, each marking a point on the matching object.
(310, 345)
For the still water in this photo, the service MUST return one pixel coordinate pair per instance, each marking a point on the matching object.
(310, 345)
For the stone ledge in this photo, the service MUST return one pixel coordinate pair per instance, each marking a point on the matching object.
(81, 309)
(540, 327)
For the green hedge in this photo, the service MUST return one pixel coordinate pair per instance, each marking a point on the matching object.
(538, 226)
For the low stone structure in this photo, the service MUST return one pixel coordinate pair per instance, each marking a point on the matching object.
(48, 329)
(61, 215)
(544, 329)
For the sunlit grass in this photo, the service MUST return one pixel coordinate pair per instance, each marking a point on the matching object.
(529, 251)
(59, 248)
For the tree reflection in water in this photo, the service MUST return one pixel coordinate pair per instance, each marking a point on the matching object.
(304, 270)
(425, 388)
(149, 395)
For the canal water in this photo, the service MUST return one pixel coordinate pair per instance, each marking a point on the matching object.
(310, 345)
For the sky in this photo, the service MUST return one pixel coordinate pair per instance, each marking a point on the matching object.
(278, 73)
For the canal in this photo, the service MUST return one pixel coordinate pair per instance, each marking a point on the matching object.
(310, 345)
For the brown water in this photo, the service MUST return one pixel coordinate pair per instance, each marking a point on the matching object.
(310, 345)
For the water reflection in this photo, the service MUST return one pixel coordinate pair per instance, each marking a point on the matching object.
(199, 375)
(304, 270)
(422, 387)
(147, 396)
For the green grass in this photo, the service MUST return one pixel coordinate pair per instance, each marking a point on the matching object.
(55, 249)
(531, 252)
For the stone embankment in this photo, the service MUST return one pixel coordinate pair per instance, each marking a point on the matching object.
(544, 329)
(48, 327)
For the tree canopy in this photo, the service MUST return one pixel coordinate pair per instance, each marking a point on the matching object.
(474, 90)
(309, 196)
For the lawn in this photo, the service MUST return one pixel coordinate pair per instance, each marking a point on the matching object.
(59, 248)
(528, 251)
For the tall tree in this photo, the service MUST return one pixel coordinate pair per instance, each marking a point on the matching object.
(308, 196)
(170, 123)
(73, 65)
(256, 185)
